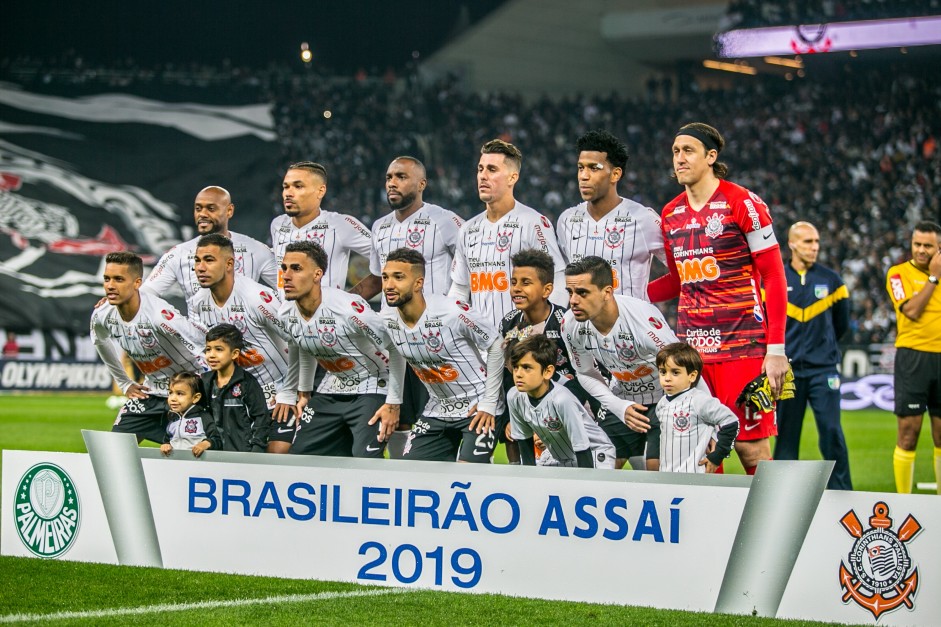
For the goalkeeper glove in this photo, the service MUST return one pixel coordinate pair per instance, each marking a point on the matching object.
(757, 396)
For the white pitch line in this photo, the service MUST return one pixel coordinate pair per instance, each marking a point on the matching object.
(183, 607)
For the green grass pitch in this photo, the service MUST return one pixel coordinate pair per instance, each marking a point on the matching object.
(31, 587)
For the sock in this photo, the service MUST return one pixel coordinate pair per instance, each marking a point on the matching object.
(937, 467)
(751, 470)
(721, 469)
(903, 462)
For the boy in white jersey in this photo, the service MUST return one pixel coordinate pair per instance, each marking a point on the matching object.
(212, 211)
(347, 339)
(251, 307)
(302, 191)
(539, 406)
(689, 416)
(444, 342)
(433, 232)
(623, 334)
(482, 265)
(622, 232)
(153, 334)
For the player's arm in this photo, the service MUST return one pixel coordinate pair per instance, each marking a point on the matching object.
(769, 265)
(544, 238)
(163, 277)
(593, 383)
(666, 287)
(564, 236)
(213, 435)
(269, 267)
(111, 357)
(357, 238)
(520, 431)
(389, 413)
(652, 230)
(460, 272)
(841, 311)
(914, 306)
(485, 417)
(189, 332)
(286, 409)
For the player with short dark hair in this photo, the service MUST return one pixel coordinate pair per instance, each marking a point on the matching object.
(913, 288)
(153, 334)
(443, 341)
(212, 211)
(538, 406)
(302, 191)
(624, 233)
(348, 341)
(721, 252)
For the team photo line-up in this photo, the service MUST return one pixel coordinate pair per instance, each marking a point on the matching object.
(508, 329)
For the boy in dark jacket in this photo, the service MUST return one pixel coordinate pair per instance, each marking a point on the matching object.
(236, 399)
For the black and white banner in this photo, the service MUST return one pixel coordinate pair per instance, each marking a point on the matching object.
(84, 176)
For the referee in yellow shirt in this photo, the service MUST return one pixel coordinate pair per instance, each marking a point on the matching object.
(913, 288)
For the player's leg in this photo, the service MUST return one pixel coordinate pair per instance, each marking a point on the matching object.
(791, 420)
(475, 448)
(627, 442)
(912, 384)
(824, 394)
(322, 429)
(430, 440)
(359, 409)
(414, 399)
(501, 431)
(146, 418)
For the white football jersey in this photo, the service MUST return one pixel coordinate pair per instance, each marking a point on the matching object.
(337, 233)
(446, 349)
(252, 259)
(253, 309)
(561, 422)
(628, 238)
(482, 259)
(687, 424)
(431, 230)
(347, 339)
(159, 340)
(628, 351)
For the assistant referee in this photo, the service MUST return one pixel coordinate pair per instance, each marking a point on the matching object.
(913, 288)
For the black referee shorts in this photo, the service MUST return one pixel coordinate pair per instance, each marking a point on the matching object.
(917, 382)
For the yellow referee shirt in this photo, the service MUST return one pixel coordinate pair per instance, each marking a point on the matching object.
(904, 281)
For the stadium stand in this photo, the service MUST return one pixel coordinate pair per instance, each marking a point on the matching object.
(758, 13)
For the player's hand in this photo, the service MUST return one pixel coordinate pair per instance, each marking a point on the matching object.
(482, 422)
(285, 412)
(166, 449)
(202, 446)
(634, 419)
(508, 434)
(775, 366)
(136, 390)
(710, 467)
(934, 265)
(104, 299)
(388, 418)
(302, 399)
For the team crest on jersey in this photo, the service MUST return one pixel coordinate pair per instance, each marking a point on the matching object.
(191, 425)
(239, 264)
(239, 323)
(613, 236)
(146, 337)
(626, 352)
(504, 240)
(821, 291)
(328, 336)
(552, 424)
(714, 225)
(880, 576)
(237, 390)
(681, 421)
(433, 341)
(415, 236)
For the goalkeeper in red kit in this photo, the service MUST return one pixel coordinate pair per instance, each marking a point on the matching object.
(721, 253)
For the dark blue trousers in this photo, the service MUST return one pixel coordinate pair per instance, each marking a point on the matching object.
(825, 402)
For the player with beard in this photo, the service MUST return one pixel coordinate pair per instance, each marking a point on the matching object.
(212, 211)
(428, 229)
(444, 342)
(302, 190)
(624, 233)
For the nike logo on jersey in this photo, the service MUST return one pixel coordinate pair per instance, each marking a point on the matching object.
(672, 231)
(577, 237)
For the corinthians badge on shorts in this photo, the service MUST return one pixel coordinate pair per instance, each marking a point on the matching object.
(879, 576)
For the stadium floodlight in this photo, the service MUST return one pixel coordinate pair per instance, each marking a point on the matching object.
(793, 63)
(306, 54)
(729, 67)
(839, 37)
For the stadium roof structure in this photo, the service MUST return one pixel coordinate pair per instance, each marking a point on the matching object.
(559, 47)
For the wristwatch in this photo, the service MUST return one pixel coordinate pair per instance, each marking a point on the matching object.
(933, 279)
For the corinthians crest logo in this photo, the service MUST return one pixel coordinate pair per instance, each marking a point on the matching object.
(47, 510)
(879, 576)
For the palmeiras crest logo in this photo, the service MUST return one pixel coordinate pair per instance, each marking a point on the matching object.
(504, 240)
(47, 509)
(880, 576)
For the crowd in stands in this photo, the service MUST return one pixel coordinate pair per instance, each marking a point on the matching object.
(758, 13)
(856, 153)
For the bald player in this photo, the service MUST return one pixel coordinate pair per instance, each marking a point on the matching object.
(212, 211)
(818, 315)
(624, 233)
(302, 192)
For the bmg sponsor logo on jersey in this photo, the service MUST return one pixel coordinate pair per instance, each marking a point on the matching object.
(696, 270)
(880, 576)
(47, 510)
